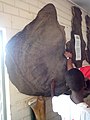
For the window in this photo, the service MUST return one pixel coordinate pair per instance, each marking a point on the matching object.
(4, 91)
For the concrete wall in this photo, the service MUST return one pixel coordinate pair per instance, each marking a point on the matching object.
(14, 15)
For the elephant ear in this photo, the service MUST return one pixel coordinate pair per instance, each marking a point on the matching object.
(87, 18)
(34, 56)
(76, 30)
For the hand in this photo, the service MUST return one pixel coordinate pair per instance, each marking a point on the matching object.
(68, 54)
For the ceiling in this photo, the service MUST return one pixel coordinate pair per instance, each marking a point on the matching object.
(84, 4)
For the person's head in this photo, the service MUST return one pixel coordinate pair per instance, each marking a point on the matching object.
(74, 79)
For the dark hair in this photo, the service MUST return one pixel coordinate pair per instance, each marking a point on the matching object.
(74, 79)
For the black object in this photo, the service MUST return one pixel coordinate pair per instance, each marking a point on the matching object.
(87, 18)
(76, 30)
(35, 55)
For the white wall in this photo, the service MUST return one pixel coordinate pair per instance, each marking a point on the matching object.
(14, 15)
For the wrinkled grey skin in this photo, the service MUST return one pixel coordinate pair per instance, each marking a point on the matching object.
(76, 29)
(87, 18)
(34, 56)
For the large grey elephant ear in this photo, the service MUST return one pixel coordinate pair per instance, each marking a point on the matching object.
(76, 31)
(34, 56)
(87, 18)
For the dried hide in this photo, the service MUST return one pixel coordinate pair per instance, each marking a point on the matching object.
(34, 56)
(76, 30)
(87, 18)
(38, 108)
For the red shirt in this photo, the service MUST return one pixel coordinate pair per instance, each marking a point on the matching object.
(86, 71)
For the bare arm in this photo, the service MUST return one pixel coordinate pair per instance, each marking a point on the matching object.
(68, 55)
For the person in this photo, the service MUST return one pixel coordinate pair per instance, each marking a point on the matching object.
(71, 107)
(85, 69)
